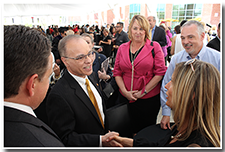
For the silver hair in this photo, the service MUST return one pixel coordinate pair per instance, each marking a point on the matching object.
(63, 42)
(88, 35)
(197, 23)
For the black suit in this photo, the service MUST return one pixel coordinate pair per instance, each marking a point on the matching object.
(72, 115)
(24, 130)
(159, 36)
(214, 43)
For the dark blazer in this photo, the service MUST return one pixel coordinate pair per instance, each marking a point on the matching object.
(214, 43)
(160, 36)
(24, 130)
(72, 115)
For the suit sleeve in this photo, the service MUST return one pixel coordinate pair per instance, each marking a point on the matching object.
(162, 38)
(62, 120)
(159, 60)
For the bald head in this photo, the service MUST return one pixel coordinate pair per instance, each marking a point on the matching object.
(63, 43)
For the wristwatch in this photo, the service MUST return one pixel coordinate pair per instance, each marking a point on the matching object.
(145, 92)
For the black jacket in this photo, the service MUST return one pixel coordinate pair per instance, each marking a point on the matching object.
(160, 36)
(24, 130)
(214, 43)
(72, 115)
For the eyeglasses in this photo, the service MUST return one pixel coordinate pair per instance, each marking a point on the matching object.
(118, 26)
(82, 57)
(189, 62)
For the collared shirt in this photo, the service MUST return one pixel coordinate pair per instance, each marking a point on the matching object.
(121, 38)
(153, 31)
(81, 82)
(20, 107)
(206, 54)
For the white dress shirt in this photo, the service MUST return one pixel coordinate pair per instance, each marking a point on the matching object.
(20, 107)
(81, 82)
(98, 98)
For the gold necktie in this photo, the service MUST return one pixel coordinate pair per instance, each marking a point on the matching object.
(94, 102)
(150, 34)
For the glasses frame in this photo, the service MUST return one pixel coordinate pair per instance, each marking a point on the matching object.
(190, 62)
(81, 57)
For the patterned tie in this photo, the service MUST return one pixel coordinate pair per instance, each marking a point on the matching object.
(150, 34)
(94, 102)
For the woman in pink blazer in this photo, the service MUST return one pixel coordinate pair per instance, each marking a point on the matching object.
(138, 74)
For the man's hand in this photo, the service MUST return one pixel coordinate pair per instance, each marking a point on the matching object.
(110, 143)
(125, 142)
(165, 122)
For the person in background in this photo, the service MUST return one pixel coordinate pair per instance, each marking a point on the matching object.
(206, 38)
(156, 34)
(164, 48)
(192, 36)
(215, 43)
(196, 113)
(120, 38)
(69, 32)
(28, 65)
(106, 43)
(138, 74)
(55, 50)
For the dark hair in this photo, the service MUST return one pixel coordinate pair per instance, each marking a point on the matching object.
(26, 52)
(177, 29)
(219, 26)
(121, 23)
(182, 22)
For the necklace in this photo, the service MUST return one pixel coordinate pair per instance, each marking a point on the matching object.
(177, 136)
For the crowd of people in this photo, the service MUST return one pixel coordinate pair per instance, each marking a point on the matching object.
(56, 92)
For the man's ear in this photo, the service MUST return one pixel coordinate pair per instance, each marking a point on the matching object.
(64, 61)
(31, 83)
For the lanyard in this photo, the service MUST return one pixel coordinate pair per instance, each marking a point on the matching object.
(132, 63)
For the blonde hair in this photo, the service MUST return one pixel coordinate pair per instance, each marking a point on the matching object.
(143, 22)
(197, 99)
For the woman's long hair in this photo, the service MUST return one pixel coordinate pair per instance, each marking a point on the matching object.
(196, 95)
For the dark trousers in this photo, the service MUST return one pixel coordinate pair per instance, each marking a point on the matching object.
(143, 112)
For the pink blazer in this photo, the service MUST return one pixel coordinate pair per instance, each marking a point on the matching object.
(145, 67)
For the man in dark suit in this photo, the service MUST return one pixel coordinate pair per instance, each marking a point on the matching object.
(215, 43)
(77, 118)
(27, 67)
(156, 33)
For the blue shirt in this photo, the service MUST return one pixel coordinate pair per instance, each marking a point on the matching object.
(153, 31)
(206, 54)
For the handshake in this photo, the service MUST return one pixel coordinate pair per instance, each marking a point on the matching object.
(112, 139)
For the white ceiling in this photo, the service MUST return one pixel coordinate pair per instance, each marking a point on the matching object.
(52, 9)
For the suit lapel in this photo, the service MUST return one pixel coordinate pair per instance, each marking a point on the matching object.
(79, 92)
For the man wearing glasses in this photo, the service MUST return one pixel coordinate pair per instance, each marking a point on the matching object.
(75, 109)
(192, 36)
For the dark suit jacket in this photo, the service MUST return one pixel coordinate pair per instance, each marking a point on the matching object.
(214, 43)
(72, 115)
(24, 130)
(160, 36)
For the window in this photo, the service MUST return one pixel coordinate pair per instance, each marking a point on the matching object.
(135, 9)
(161, 8)
(186, 11)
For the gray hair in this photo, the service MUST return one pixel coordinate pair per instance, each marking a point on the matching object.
(88, 35)
(197, 23)
(63, 42)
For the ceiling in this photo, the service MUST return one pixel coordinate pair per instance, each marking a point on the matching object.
(52, 9)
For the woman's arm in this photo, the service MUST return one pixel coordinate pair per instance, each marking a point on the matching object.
(173, 45)
(151, 85)
(121, 85)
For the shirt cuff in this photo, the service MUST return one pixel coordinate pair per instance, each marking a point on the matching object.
(100, 141)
